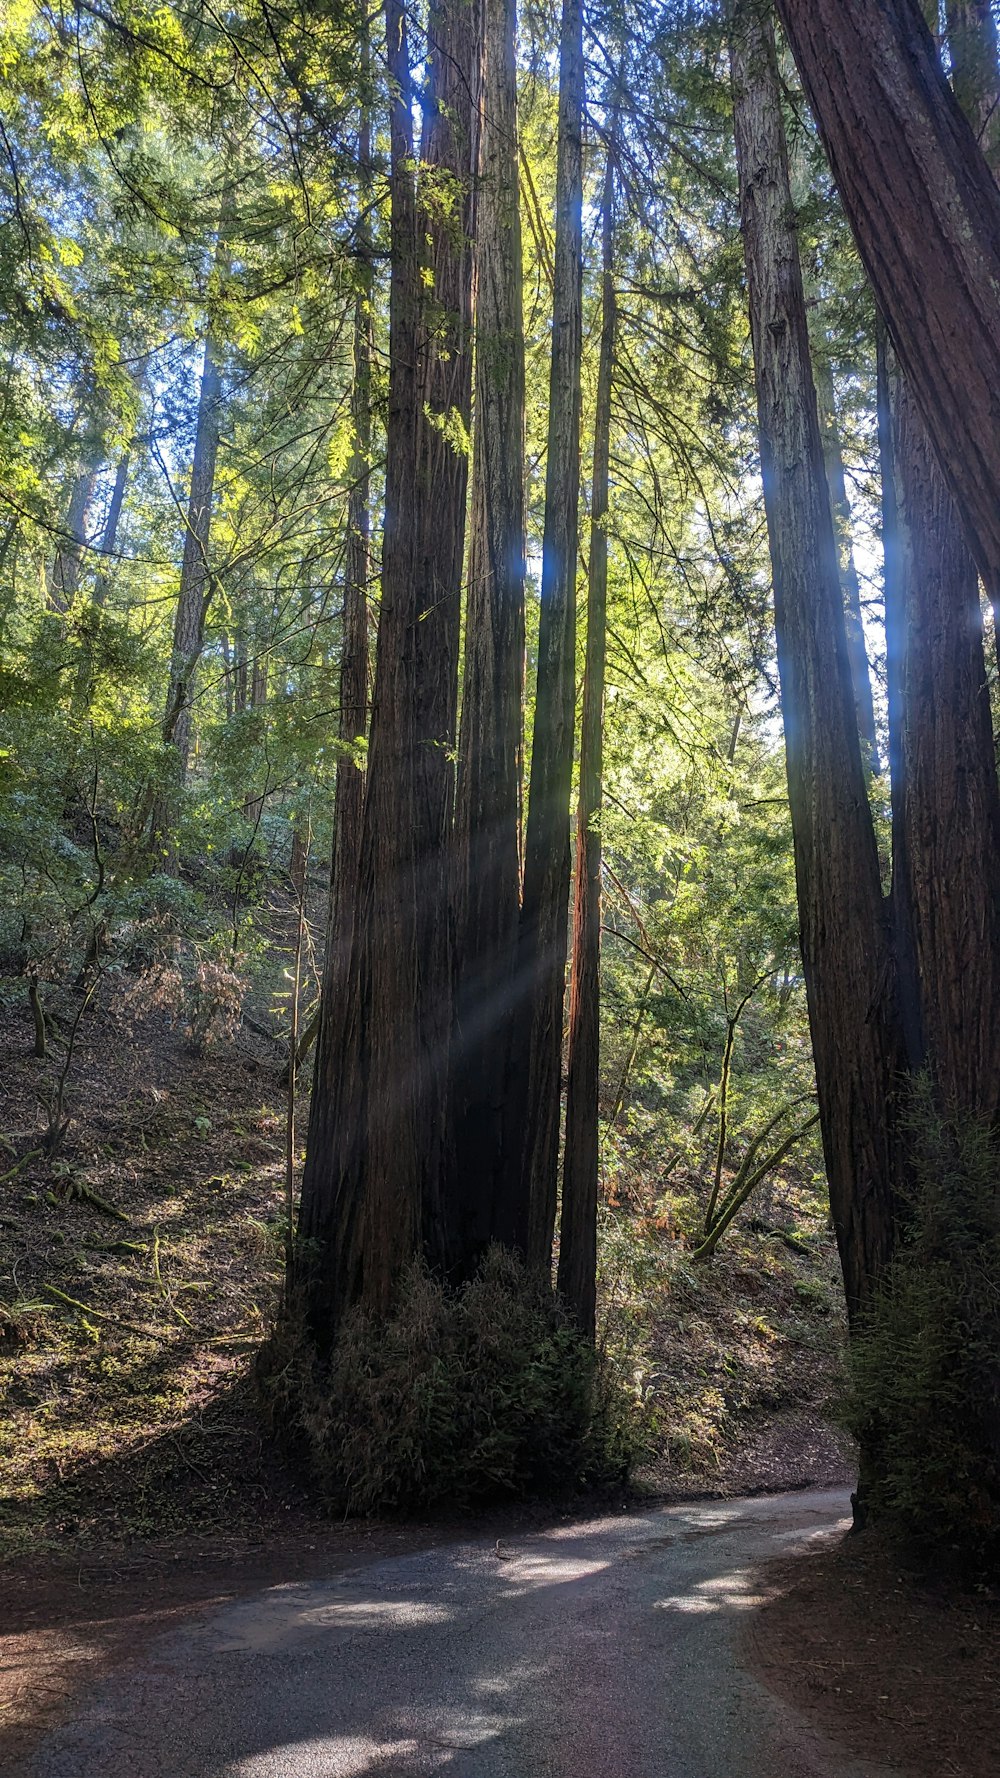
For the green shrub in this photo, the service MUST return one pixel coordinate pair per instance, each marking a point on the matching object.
(925, 1370)
(488, 1391)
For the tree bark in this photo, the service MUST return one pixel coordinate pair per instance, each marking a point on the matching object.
(64, 576)
(926, 217)
(845, 950)
(975, 79)
(337, 1020)
(535, 1105)
(950, 800)
(577, 1276)
(372, 1198)
(975, 71)
(195, 593)
(486, 1200)
(857, 649)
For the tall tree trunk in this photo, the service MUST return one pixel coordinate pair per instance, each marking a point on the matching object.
(535, 1107)
(950, 800)
(975, 79)
(975, 70)
(372, 1197)
(486, 1200)
(857, 650)
(578, 1228)
(64, 575)
(926, 217)
(196, 585)
(845, 950)
(338, 1002)
(109, 537)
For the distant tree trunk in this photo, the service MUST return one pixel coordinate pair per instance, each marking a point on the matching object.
(486, 1199)
(845, 950)
(857, 649)
(975, 70)
(372, 1191)
(64, 576)
(195, 593)
(535, 1107)
(109, 543)
(109, 538)
(926, 217)
(578, 1229)
(159, 814)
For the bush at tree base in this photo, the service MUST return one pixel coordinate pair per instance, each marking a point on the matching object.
(460, 1395)
(925, 1370)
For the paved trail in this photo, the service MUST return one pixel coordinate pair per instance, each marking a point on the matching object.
(603, 1649)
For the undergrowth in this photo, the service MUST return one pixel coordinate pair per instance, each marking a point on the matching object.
(484, 1392)
(925, 1369)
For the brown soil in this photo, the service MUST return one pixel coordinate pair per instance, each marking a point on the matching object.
(901, 1670)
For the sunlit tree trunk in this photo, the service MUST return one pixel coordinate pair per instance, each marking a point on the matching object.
(535, 1107)
(486, 1199)
(845, 949)
(197, 584)
(857, 650)
(578, 1228)
(926, 217)
(950, 802)
(64, 575)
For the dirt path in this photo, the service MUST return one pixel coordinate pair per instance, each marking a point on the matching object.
(600, 1649)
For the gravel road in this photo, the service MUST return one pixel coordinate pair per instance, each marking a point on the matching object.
(599, 1649)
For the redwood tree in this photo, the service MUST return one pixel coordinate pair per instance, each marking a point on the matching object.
(926, 217)
(578, 1228)
(535, 1104)
(486, 1200)
(844, 937)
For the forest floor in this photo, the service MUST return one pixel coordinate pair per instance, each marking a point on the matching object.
(138, 1272)
(140, 1267)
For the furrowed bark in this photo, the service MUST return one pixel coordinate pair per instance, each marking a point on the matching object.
(486, 1200)
(845, 949)
(950, 801)
(577, 1276)
(535, 1106)
(926, 217)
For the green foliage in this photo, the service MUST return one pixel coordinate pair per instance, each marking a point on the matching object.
(488, 1392)
(925, 1372)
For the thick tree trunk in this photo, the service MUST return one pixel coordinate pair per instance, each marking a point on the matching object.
(535, 1106)
(372, 1198)
(975, 79)
(926, 217)
(950, 801)
(486, 1200)
(845, 949)
(578, 1227)
(337, 1019)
